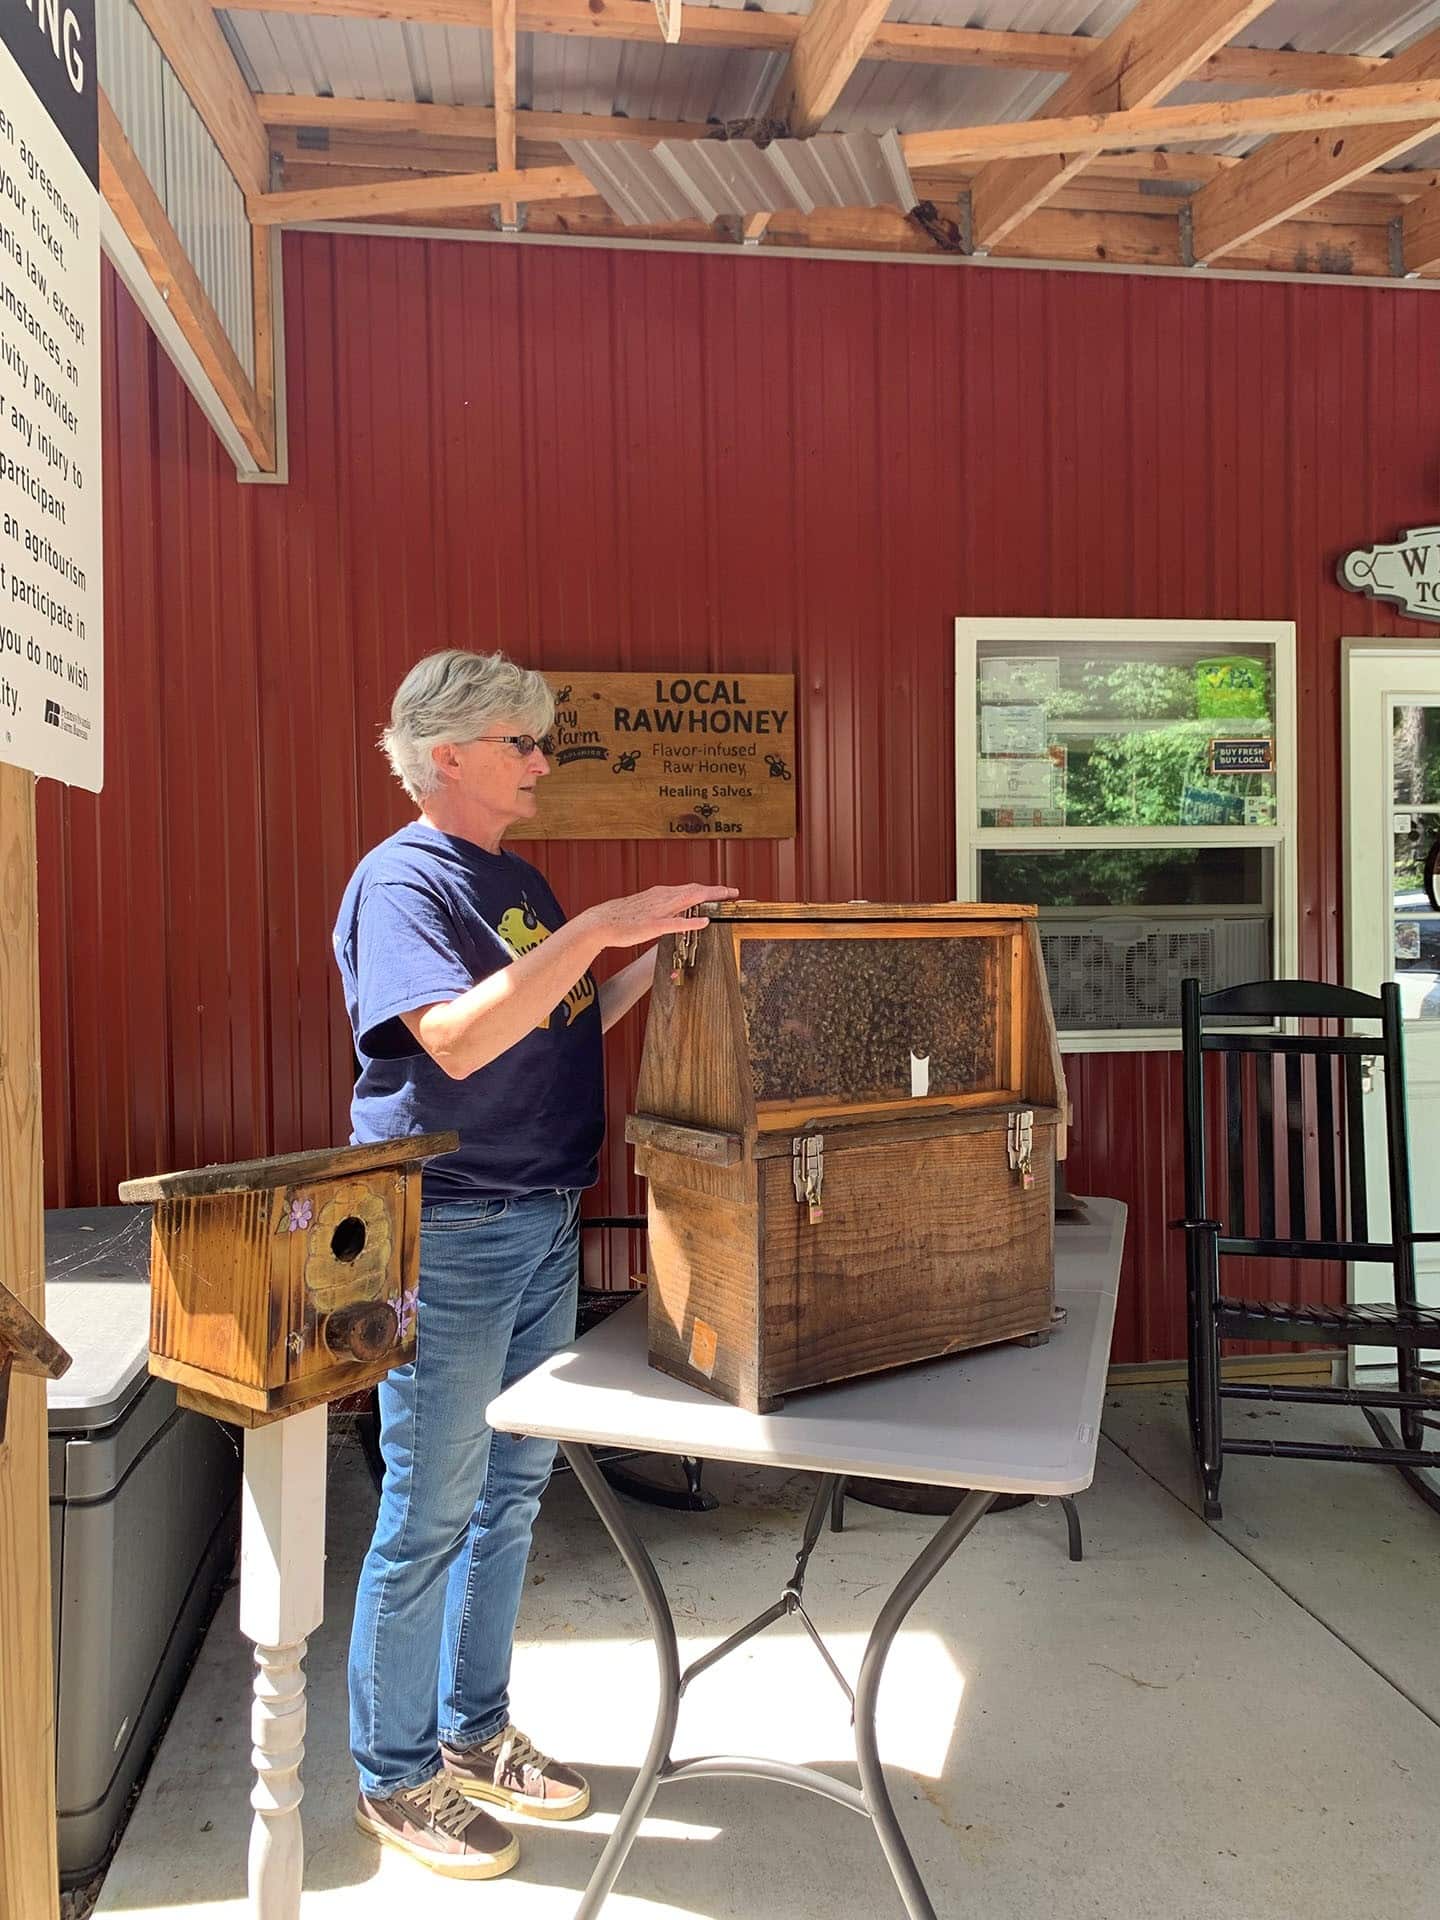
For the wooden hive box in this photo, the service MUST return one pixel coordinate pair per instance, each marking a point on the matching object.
(278, 1284)
(849, 1118)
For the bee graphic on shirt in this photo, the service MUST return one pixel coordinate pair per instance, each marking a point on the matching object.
(522, 930)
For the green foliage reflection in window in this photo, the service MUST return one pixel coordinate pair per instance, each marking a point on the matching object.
(1155, 771)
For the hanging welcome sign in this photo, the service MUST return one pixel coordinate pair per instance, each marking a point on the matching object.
(1406, 572)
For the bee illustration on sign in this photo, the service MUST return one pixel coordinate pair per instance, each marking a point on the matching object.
(626, 762)
(562, 695)
(704, 818)
(778, 768)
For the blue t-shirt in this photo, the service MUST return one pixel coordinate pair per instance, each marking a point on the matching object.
(426, 915)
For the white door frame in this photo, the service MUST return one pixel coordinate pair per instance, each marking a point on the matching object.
(1368, 893)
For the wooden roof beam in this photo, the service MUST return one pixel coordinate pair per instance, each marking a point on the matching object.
(1350, 108)
(432, 128)
(1289, 174)
(422, 194)
(893, 40)
(1159, 44)
(830, 45)
(433, 121)
(1340, 112)
(189, 36)
(502, 50)
(137, 207)
(1420, 234)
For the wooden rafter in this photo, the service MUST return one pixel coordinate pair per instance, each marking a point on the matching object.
(190, 38)
(1420, 234)
(502, 44)
(432, 125)
(937, 46)
(1294, 172)
(830, 45)
(1155, 47)
(137, 207)
(436, 122)
(1059, 233)
(1175, 170)
(384, 199)
(1378, 106)
(269, 351)
(1353, 108)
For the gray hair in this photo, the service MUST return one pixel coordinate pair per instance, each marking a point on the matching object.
(451, 697)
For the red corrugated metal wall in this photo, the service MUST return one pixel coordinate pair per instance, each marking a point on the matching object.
(656, 460)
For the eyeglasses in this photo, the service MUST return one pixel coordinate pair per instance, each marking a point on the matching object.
(524, 743)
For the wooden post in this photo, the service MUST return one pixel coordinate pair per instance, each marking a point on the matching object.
(28, 1878)
(282, 1602)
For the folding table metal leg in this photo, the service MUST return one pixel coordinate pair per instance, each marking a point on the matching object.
(1072, 1528)
(667, 1652)
(907, 1590)
(658, 1768)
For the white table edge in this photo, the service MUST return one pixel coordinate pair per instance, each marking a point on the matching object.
(1068, 1475)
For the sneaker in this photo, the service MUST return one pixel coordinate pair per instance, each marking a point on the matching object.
(510, 1771)
(438, 1827)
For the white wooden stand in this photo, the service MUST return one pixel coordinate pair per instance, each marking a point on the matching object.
(282, 1602)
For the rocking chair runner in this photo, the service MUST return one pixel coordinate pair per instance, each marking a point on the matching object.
(1323, 1072)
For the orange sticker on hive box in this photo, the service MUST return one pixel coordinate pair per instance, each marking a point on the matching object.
(704, 1346)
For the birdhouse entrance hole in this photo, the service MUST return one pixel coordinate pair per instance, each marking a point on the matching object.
(347, 1242)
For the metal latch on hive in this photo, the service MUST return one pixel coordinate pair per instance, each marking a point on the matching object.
(1020, 1145)
(807, 1164)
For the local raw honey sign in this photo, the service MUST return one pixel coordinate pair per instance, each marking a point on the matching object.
(656, 756)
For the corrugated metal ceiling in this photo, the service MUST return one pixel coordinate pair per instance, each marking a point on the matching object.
(707, 179)
(398, 60)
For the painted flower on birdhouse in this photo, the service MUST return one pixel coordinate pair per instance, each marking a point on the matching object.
(405, 1311)
(302, 1212)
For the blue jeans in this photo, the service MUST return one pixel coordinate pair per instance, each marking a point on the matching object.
(440, 1588)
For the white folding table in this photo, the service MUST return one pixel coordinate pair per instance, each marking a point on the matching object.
(998, 1420)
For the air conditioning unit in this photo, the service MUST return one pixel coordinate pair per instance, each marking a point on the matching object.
(1117, 974)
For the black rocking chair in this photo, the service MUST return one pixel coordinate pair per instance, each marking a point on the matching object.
(1322, 1075)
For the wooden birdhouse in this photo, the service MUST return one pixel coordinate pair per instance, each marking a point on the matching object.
(849, 1118)
(278, 1284)
(25, 1347)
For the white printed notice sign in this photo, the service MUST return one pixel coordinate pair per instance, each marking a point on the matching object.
(51, 626)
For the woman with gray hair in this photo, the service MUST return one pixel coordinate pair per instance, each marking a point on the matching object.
(474, 1010)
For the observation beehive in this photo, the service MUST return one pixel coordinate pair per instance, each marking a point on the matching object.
(849, 1118)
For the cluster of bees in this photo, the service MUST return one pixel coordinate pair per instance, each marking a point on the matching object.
(840, 1019)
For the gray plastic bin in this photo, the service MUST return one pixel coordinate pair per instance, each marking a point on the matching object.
(144, 1507)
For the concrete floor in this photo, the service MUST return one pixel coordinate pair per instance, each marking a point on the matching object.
(1194, 1724)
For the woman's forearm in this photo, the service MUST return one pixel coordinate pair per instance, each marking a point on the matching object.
(467, 1033)
(619, 993)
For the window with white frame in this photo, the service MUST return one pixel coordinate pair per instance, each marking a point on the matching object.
(1135, 780)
